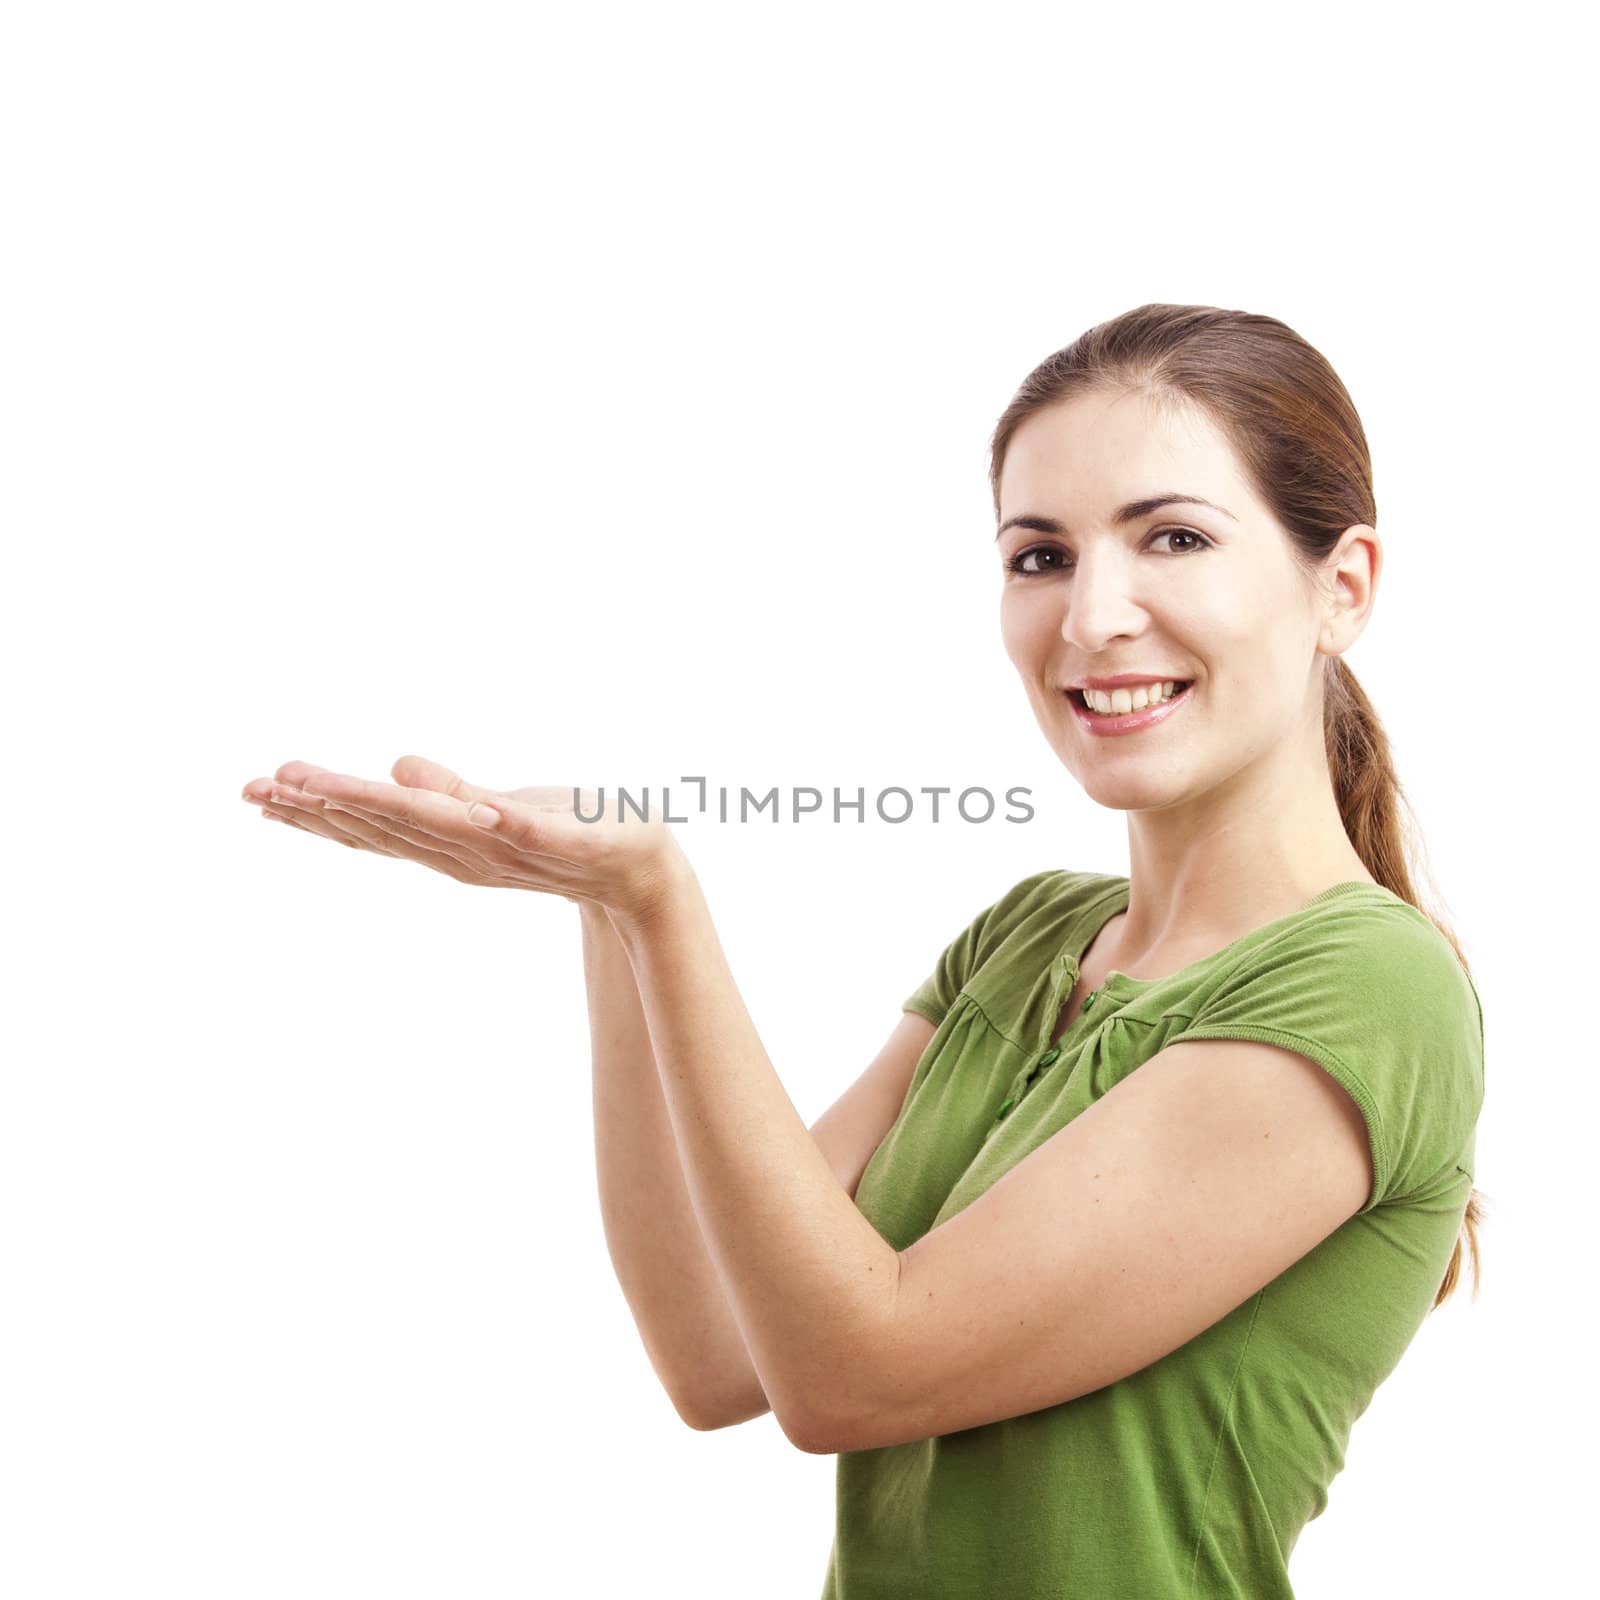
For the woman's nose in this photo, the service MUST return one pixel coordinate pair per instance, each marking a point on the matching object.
(1100, 605)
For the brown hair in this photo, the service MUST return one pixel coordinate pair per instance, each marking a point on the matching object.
(1296, 432)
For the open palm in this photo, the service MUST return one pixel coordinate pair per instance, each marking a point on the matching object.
(539, 844)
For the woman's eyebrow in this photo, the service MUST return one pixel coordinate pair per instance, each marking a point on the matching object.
(1128, 513)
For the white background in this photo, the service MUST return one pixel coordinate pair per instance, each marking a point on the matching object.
(598, 395)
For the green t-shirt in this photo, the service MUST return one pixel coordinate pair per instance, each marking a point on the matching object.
(1193, 1476)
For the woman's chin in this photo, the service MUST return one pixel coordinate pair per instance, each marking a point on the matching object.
(1131, 791)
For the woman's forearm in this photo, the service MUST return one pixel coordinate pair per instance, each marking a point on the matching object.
(810, 1281)
(653, 1236)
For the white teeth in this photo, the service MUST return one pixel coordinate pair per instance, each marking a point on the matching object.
(1118, 702)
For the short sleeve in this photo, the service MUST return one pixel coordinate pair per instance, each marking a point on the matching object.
(1376, 996)
(961, 958)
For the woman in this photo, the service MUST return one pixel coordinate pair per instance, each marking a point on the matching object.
(1089, 1275)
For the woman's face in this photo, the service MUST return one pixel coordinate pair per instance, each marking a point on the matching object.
(1180, 591)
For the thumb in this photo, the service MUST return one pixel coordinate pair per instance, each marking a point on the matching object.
(416, 772)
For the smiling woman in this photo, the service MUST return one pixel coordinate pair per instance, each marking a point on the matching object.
(1089, 1275)
(1187, 1160)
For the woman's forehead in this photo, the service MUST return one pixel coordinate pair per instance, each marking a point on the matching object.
(1086, 459)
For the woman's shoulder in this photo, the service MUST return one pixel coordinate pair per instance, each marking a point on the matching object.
(1038, 915)
(1358, 957)
(1037, 906)
(1054, 893)
(1368, 927)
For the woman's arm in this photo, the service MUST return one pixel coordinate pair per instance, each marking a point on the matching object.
(638, 1161)
(811, 1283)
(651, 1230)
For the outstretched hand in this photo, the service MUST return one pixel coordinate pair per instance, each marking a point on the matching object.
(500, 838)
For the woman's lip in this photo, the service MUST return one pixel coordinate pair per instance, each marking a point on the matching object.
(1129, 721)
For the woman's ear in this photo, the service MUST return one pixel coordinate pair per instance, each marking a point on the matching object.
(1350, 585)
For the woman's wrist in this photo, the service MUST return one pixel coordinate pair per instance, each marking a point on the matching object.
(657, 897)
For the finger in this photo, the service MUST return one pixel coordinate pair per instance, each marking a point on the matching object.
(323, 819)
(362, 835)
(441, 816)
(283, 782)
(538, 835)
(296, 773)
(531, 841)
(417, 772)
(284, 803)
(502, 869)
(425, 809)
(304, 823)
(262, 791)
(376, 825)
(536, 838)
(291, 773)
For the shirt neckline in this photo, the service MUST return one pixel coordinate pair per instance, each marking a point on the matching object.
(1123, 983)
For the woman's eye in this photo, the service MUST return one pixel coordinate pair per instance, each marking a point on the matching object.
(1051, 559)
(1017, 563)
(1181, 533)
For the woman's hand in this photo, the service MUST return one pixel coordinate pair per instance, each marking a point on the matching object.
(538, 842)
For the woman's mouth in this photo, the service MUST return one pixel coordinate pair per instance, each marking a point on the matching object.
(1131, 721)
